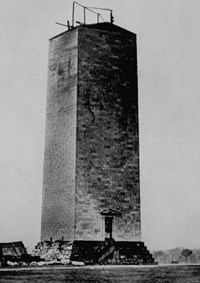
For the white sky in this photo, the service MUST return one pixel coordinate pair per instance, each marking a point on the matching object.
(168, 35)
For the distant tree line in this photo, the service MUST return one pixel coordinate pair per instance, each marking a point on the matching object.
(177, 255)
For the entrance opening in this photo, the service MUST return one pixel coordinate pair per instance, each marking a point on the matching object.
(108, 216)
(108, 226)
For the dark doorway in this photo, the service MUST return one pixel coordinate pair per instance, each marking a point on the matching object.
(108, 216)
(108, 226)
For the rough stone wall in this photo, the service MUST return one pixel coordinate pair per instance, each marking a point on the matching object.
(107, 153)
(60, 139)
(91, 160)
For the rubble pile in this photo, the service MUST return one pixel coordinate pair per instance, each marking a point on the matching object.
(45, 253)
(54, 251)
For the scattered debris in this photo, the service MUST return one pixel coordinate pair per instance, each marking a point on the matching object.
(58, 252)
(78, 263)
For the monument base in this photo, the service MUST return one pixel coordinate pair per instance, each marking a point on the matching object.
(95, 252)
(111, 252)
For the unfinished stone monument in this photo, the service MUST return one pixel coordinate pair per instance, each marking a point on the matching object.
(91, 189)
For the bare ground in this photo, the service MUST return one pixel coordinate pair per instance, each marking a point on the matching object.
(101, 274)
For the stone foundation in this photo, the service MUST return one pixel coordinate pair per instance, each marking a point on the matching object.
(94, 252)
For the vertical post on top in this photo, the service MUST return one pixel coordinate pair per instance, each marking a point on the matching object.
(111, 17)
(68, 25)
(84, 15)
(73, 10)
(97, 18)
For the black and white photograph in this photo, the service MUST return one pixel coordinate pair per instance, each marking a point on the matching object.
(100, 141)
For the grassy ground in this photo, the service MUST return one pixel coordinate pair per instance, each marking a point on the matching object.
(103, 274)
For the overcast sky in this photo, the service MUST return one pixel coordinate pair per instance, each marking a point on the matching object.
(168, 34)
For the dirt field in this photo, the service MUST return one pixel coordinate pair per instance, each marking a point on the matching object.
(126, 274)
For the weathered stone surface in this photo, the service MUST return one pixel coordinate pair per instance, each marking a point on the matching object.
(107, 152)
(91, 158)
(60, 140)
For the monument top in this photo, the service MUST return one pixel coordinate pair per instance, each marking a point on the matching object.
(93, 10)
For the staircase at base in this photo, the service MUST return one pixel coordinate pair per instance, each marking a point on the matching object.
(111, 252)
(134, 253)
(95, 252)
(107, 251)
